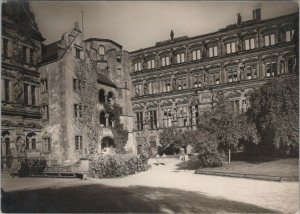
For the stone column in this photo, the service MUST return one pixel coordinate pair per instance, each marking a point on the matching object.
(29, 95)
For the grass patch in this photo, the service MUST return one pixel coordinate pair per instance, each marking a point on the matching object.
(288, 167)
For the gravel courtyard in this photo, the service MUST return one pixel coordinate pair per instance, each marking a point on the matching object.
(272, 196)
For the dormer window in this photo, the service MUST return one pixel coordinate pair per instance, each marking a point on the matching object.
(79, 53)
(213, 51)
(249, 44)
(196, 55)
(289, 35)
(101, 50)
(180, 58)
(269, 40)
(165, 61)
(151, 64)
(230, 48)
(138, 66)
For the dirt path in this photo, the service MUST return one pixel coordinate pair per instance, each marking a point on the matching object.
(282, 197)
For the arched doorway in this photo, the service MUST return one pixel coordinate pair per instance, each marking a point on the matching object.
(107, 145)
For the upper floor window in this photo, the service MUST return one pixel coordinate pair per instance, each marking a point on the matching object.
(289, 35)
(249, 44)
(47, 144)
(44, 85)
(269, 40)
(24, 54)
(79, 54)
(32, 62)
(216, 78)
(151, 64)
(196, 54)
(45, 112)
(5, 47)
(5, 90)
(291, 65)
(138, 66)
(78, 143)
(78, 110)
(197, 81)
(138, 90)
(139, 121)
(165, 61)
(232, 75)
(213, 51)
(152, 87)
(230, 48)
(29, 94)
(181, 82)
(167, 118)
(153, 119)
(101, 50)
(76, 84)
(180, 57)
(166, 85)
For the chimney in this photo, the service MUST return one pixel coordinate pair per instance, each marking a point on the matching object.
(257, 14)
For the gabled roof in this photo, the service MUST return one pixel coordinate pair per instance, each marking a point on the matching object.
(103, 40)
(103, 79)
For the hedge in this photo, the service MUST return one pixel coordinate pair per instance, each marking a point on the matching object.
(25, 167)
(108, 166)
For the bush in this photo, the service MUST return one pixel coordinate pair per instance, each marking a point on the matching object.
(209, 159)
(108, 166)
(29, 166)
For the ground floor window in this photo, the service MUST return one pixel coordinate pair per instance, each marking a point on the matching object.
(78, 143)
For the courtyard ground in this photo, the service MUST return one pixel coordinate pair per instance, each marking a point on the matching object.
(163, 188)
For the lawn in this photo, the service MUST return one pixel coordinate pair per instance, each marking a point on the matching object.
(259, 166)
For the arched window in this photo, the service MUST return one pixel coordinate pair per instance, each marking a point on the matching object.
(101, 96)
(102, 118)
(110, 120)
(101, 50)
(27, 143)
(110, 97)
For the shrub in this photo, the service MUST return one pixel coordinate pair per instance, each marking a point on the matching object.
(209, 159)
(28, 166)
(108, 166)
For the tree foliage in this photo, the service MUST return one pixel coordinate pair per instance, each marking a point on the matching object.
(275, 112)
(222, 128)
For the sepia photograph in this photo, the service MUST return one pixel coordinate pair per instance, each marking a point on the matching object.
(149, 106)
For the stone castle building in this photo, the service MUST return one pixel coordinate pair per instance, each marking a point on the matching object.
(63, 100)
(21, 52)
(54, 95)
(177, 79)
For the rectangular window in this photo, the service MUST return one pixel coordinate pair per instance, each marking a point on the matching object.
(78, 143)
(230, 48)
(168, 86)
(165, 61)
(229, 78)
(254, 75)
(45, 112)
(47, 144)
(24, 54)
(77, 53)
(151, 64)
(270, 40)
(78, 110)
(180, 58)
(76, 84)
(26, 98)
(153, 119)
(213, 51)
(139, 121)
(135, 67)
(5, 90)
(249, 44)
(248, 70)
(44, 85)
(267, 40)
(33, 100)
(289, 35)
(196, 55)
(290, 65)
(139, 66)
(5, 47)
(32, 57)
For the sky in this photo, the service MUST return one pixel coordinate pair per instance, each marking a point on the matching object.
(140, 24)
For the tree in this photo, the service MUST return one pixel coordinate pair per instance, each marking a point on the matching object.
(172, 138)
(275, 112)
(221, 127)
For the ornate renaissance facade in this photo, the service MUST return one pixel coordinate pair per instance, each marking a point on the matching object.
(21, 52)
(177, 79)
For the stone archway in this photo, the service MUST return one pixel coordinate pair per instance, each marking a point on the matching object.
(107, 145)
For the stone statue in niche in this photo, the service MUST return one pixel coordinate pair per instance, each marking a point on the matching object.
(173, 56)
(145, 88)
(280, 36)
(18, 91)
(240, 42)
(174, 85)
(174, 114)
(204, 50)
(241, 72)
(282, 67)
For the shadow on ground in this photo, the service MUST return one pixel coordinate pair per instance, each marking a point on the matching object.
(105, 199)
